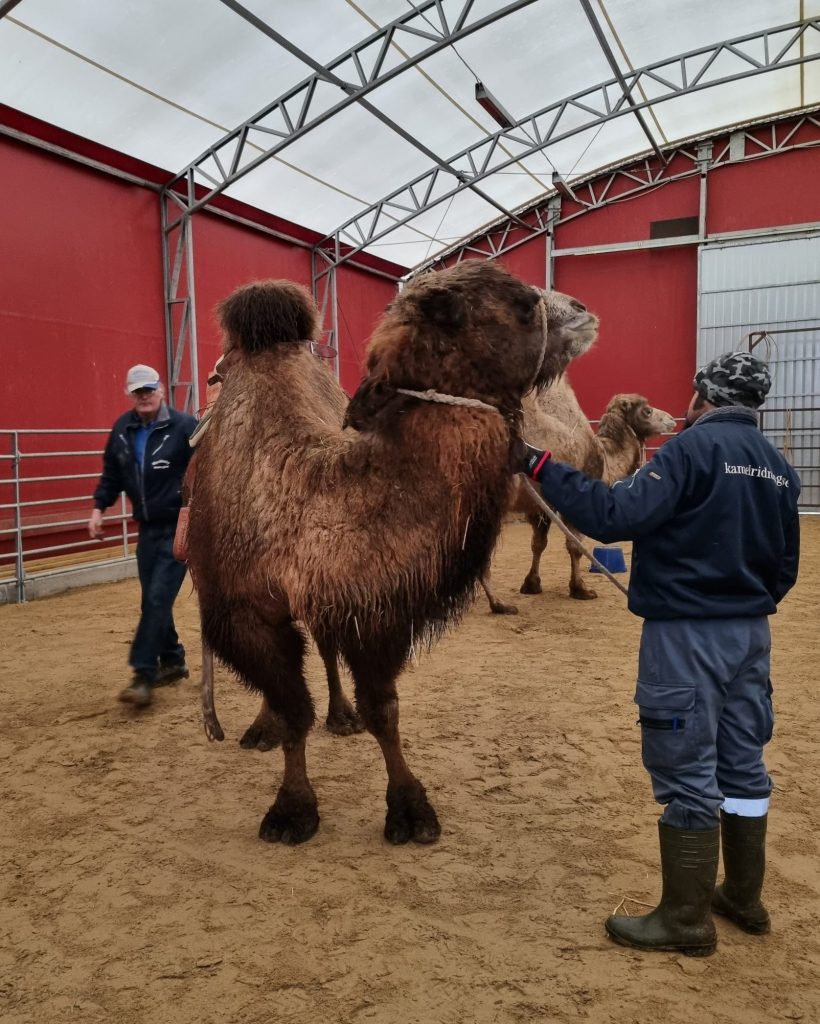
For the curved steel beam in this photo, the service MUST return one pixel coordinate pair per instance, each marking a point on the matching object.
(355, 73)
(676, 77)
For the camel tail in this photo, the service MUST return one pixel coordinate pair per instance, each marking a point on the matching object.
(264, 314)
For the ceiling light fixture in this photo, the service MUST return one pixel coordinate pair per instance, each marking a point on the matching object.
(561, 187)
(493, 107)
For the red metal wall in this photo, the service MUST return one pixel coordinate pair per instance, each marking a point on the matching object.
(647, 299)
(80, 289)
(227, 255)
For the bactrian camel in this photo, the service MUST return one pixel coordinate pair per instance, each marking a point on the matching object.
(553, 419)
(372, 536)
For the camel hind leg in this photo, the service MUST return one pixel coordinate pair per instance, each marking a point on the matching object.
(578, 587)
(538, 545)
(269, 657)
(342, 719)
(497, 606)
(409, 813)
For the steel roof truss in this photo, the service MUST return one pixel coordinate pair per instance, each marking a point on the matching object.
(556, 112)
(354, 63)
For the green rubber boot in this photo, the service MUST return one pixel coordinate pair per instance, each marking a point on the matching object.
(744, 862)
(682, 921)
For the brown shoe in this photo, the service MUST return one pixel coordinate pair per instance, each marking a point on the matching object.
(138, 693)
(171, 673)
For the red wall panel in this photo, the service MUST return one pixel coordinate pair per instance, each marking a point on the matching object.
(765, 193)
(529, 262)
(646, 302)
(362, 298)
(80, 289)
(227, 255)
(628, 220)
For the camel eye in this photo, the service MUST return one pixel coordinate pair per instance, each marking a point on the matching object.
(647, 411)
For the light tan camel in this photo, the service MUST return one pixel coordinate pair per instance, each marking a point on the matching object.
(372, 537)
(554, 420)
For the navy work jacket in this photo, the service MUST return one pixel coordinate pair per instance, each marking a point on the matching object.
(713, 517)
(153, 484)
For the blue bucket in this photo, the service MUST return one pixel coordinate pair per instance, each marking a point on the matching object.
(610, 558)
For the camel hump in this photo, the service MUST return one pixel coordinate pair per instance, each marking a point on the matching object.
(263, 314)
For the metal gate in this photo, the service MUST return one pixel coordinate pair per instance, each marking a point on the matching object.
(766, 296)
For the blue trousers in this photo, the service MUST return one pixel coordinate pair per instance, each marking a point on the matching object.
(705, 708)
(161, 575)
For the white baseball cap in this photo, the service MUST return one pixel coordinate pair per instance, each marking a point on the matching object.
(141, 376)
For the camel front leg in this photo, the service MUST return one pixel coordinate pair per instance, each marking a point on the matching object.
(497, 606)
(294, 817)
(213, 730)
(538, 545)
(578, 587)
(409, 813)
(342, 719)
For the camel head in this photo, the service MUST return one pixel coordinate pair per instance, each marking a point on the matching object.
(636, 412)
(473, 330)
(572, 331)
(263, 314)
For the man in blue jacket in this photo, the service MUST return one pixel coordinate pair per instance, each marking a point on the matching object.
(146, 456)
(714, 521)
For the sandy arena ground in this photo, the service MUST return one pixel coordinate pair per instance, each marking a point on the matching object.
(133, 887)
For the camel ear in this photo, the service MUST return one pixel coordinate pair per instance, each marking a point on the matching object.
(444, 307)
(526, 301)
(372, 400)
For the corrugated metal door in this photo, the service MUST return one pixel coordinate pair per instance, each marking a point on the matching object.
(772, 286)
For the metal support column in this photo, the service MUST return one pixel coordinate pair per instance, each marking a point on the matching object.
(20, 569)
(703, 160)
(180, 299)
(323, 282)
(553, 216)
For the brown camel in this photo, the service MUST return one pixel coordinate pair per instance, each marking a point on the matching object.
(372, 537)
(264, 733)
(554, 420)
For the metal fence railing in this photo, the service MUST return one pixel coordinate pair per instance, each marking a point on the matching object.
(47, 478)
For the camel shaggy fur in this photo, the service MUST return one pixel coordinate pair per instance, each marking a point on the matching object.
(554, 420)
(373, 536)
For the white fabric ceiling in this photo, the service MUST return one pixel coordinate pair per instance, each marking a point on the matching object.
(164, 81)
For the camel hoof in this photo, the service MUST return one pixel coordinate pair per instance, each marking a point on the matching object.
(497, 608)
(344, 721)
(213, 730)
(290, 822)
(531, 585)
(582, 594)
(261, 737)
(410, 815)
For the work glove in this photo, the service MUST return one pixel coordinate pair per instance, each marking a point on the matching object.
(533, 461)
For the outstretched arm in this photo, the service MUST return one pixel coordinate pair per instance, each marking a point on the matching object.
(629, 508)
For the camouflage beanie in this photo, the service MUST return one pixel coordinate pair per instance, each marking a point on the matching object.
(736, 378)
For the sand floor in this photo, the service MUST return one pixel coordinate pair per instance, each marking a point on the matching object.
(133, 887)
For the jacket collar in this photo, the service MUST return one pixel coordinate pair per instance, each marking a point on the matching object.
(163, 417)
(730, 413)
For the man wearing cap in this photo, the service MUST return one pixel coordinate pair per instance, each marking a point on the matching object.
(146, 456)
(714, 521)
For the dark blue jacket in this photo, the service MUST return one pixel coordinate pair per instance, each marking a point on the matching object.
(713, 516)
(153, 486)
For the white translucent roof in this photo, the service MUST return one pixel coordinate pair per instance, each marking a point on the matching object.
(164, 81)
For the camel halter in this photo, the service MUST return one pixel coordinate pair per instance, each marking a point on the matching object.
(475, 403)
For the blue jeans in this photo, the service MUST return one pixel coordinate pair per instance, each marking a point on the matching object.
(161, 575)
(705, 705)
